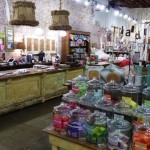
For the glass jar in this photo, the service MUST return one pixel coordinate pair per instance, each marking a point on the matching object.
(141, 138)
(112, 91)
(96, 130)
(94, 84)
(80, 79)
(119, 131)
(88, 99)
(61, 117)
(131, 94)
(76, 127)
(142, 113)
(146, 96)
(70, 97)
(123, 108)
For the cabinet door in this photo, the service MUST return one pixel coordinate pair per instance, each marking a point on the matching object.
(53, 83)
(2, 94)
(22, 89)
(74, 73)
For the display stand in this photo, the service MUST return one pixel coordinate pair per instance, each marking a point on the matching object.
(63, 141)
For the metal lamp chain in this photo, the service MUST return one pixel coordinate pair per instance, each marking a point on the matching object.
(60, 4)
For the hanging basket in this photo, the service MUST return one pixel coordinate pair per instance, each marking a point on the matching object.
(24, 14)
(60, 20)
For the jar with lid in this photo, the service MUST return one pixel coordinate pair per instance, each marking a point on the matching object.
(142, 113)
(88, 99)
(112, 91)
(76, 127)
(80, 79)
(141, 137)
(146, 96)
(96, 130)
(70, 97)
(95, 84)
(131, 94)
(104, 104)
(61, 117)
(119, 133)
(123, 108)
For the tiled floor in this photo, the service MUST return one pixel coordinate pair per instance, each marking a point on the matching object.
(22, 129)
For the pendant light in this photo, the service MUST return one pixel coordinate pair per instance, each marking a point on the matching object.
(60, 19)
(24, 13)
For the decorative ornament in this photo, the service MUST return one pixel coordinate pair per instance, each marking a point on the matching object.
(24, 14)
(60, 19)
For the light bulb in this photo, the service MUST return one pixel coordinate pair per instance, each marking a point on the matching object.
(116, 13)
(129, 18)
(120, 15)
(102, 7)
(86, 3)
(125, 16)
(98, 6)
(106, 10)
(62, 33)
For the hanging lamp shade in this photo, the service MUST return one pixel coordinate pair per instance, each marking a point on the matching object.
(24, 13)
(60, 20)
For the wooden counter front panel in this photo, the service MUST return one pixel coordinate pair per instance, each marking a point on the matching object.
(53, 83)
(73, 74)
(2, 94)
(22, 89)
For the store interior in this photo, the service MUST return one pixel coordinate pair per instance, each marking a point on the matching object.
(75, 74)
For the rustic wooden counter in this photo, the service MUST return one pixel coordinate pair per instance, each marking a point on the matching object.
(38, 85)
(63, 141)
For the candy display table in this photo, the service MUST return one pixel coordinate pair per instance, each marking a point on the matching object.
(63, 141)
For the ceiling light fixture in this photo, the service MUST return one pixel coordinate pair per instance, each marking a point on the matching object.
(24, 14)
(125, 16)
(102, 7)
(87, 3)
(60, 20)
(116, 13)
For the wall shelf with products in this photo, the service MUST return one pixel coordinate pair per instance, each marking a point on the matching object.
(75, 43)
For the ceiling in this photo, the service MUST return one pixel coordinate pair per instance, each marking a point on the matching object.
(129, 3)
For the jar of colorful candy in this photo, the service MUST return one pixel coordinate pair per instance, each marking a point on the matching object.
(96, 130)
(112, 91)
(119, 133)
(61, 117)
(146, 96)
(76, 127)
(141, 138)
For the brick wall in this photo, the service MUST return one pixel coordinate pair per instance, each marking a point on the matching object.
(81, 19)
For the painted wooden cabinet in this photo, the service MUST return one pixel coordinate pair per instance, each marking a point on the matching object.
(74, 73)
(53, 84)
(2, 94)
(21, 89)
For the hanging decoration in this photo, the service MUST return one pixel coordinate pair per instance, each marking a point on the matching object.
(24, 13)
(60, 20)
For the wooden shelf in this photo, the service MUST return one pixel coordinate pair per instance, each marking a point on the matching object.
(66, 47)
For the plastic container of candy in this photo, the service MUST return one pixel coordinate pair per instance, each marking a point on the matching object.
(146, 96)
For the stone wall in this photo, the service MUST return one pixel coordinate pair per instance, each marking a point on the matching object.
(81, 19)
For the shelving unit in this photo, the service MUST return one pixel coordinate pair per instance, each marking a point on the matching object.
(75, 42)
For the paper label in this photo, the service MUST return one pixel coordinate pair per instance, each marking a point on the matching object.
(147, 103)
(129, 101)
(140, 146)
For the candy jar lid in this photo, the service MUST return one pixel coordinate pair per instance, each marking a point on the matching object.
(131, 88)
(119, 123)
(70, 96)
(142, 110)
(112, 85)
(104, 104)
(123, 108)
(146, 91)
(88, 98)
(80, 78)
(94, 83)
(62, 108)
